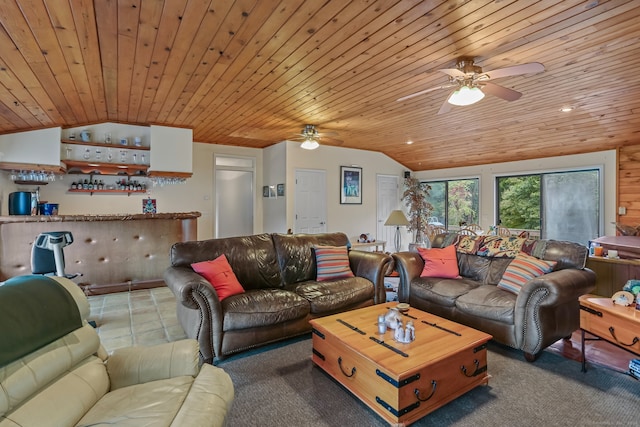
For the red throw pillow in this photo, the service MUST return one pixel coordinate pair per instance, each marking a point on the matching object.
(440, 262)
(219, 273)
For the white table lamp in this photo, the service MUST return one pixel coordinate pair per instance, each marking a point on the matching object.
(398, 219)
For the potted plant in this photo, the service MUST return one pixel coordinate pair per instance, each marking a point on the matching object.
(415, 198)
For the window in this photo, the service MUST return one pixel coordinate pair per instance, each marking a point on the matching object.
(455, 202)
(560, 205)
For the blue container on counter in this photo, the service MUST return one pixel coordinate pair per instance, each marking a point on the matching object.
(50, 209)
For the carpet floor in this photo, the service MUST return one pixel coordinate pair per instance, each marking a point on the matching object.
(279, 385)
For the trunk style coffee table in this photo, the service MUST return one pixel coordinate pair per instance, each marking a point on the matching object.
(400, 382)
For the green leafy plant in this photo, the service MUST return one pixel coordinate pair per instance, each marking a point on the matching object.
(415, 198)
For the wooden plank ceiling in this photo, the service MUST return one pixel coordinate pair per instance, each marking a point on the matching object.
(254, 72)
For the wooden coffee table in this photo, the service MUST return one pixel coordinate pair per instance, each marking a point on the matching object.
(400, 382)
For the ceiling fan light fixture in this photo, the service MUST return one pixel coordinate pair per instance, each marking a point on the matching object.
(466, 96)
(309, 144)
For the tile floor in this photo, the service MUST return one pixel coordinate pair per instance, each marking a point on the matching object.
(142, 317)
(148, 317)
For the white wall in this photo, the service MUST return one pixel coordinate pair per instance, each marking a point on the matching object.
(488, 173)
(197, 193)
(275, 172)
(352, 220)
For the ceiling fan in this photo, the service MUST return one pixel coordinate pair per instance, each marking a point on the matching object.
(310, 137)
(471, 83)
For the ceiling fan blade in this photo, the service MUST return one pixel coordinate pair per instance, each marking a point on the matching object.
(500, 91)
(453, 72)
(332, 141)
(516, 70)
(422, 92)
(329, 133)
(446, 107)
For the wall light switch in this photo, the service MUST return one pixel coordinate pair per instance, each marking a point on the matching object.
(622, 210)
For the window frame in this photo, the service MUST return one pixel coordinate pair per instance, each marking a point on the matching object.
(446, 194)
(601, 196)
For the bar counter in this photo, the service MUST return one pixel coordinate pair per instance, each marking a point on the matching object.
(113, 252)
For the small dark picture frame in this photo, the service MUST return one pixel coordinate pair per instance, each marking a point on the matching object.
(265, 191)
(280, 190)
(350, 185)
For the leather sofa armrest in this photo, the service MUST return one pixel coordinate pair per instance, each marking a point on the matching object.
(371, 266)
(409, 265)
(547, 308)
(560, 286)
(184, 281)
(137, 365)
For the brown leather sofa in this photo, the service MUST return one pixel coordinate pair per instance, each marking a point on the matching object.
(544, 311)
(55, 372)
(278, 274)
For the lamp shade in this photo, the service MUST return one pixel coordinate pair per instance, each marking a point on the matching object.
(397, 218)
(466, 96)
(310, 144)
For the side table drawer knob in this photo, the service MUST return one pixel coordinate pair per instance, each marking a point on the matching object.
(613, 334)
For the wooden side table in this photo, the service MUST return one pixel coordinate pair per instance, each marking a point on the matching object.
(374, 244)
(617, 324)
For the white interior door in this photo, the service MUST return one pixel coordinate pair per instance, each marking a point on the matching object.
(388, 200)
(310, 202)
(234, 203)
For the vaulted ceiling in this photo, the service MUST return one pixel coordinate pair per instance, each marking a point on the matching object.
(254, 72)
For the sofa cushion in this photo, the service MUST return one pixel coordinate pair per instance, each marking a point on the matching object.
(522, 269)
(221, 276)
(152, 403)
(262, 307)
(501, 246)
(332, 262)
(295, 254)
(488, 302)
(252, 258)
(441, 291)
(439, 262)
(335, 295)
(24, 297)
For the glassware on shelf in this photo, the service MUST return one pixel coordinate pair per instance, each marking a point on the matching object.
(109, 155)
(123, 156)
(87, 154)
(134, 156)
(98, 154)
(161, 181)
(69, 152)
(107, 138)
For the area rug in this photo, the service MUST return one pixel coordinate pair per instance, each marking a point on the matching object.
(278, 385)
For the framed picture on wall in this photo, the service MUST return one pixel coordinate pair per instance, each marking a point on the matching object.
(265, 191)
(280, 190)
(350, 185)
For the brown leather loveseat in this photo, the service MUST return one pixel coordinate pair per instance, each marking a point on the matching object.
(281, 294)
(544, 310)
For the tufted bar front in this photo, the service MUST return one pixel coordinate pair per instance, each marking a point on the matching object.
(113, 253)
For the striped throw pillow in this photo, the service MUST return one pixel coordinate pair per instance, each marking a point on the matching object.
(522, 269)
(332, 263)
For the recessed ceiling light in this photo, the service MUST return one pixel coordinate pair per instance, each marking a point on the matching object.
(567, 109)
(409, 142)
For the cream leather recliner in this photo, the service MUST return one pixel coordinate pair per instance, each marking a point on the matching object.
(54, 371)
